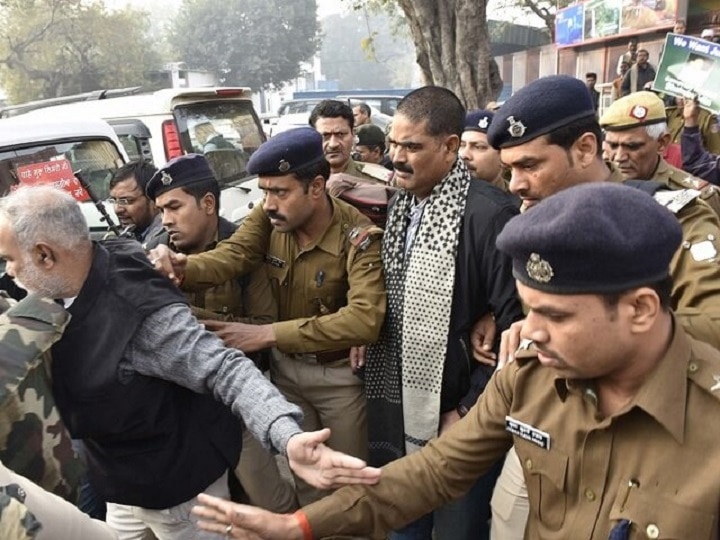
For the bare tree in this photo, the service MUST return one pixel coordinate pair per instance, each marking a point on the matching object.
(452, 45)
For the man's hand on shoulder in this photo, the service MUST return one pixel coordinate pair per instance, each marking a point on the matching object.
(323, 467)
(168, 263)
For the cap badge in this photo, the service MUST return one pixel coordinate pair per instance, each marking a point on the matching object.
(165, 178)
(283, 166)
(517, 128)
(639, 112)
(483, 123)
(539, 269)
(356, 140)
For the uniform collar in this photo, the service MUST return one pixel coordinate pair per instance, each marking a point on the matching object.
(331, 240)
(662, 396)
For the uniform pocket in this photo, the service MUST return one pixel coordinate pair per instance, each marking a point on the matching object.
(655, 516)
(546, 474)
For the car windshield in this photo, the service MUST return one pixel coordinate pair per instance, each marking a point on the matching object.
(54, 163)
(226, 132)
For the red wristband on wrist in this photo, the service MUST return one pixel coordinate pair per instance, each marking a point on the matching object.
(304, 525)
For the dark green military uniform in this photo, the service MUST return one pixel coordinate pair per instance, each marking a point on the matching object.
(707, 122)
(33, 439)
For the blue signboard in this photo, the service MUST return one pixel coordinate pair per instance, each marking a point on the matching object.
(569, 24)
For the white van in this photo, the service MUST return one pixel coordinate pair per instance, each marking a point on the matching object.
(220, 123)
(34, 151)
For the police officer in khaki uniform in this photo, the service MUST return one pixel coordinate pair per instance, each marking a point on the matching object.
(615, 418)
(636, 134)
(186, 191)
(334, 120)
(323, 260)
(557, 146)
(707, 124)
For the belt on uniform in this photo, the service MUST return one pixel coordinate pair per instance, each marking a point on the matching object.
(324, 357)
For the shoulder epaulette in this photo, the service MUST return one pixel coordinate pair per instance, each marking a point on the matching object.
(375, 171)
(676, 200)
(361, 237)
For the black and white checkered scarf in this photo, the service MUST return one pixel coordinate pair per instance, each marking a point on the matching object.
(403, 374)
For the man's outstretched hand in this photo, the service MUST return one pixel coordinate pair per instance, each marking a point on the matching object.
(245, 522)
(323, 467)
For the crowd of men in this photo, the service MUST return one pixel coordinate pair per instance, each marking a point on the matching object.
(526, 349)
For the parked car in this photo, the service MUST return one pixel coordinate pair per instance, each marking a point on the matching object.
(296, 113)
(45, 151)
(161, 125)
(386, 104)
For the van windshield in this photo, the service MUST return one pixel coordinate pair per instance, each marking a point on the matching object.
(55, 162)
(227, 132)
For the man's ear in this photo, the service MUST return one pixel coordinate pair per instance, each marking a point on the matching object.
(208, 203)
(452, 144)
(317, 186)
(44, 255)
(663, 142)
(585, 149)
(645, 308)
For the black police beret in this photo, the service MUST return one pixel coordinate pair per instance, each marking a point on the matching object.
(478, 120)
(369, 135)
(540, 107)
(179, 172)
(592, 238)
(287, 152)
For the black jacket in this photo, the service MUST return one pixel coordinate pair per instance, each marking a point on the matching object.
(149, 442)
(483, 282)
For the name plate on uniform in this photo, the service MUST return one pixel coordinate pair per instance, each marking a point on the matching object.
(274, 261)
(527, 432)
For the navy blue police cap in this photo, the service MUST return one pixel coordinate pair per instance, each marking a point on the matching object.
(593, 238)
(478, 120)
(179, 172)
(287, 152)
(537, 109)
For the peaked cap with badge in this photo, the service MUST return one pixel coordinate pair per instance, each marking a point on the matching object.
(179, 172)
(638, 109)
(479, 120)
(287, 152)
(593, 238)
(539, 108)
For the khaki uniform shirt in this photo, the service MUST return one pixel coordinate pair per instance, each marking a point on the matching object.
(330, 295)
(371, 172)
(695, 267)
(707, 122)
(675, 178)
(249, 301)
(656, 462)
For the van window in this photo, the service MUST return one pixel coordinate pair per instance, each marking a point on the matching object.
(54, 163)
(227, 133)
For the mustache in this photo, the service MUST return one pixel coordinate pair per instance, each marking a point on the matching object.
(403, 168)
(276, 216)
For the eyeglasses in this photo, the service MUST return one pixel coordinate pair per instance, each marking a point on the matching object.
(121, 201)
